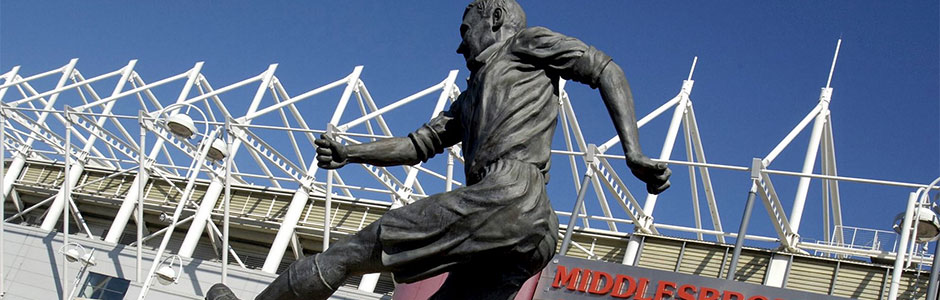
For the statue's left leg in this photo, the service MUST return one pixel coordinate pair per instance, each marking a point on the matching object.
(318, 276)
(302, 280)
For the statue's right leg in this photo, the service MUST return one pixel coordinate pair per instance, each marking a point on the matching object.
(318, 276)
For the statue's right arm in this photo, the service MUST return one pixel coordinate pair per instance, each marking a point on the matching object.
(387, 152)
(441, 132)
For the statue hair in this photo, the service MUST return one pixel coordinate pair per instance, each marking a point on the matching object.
(513, 15)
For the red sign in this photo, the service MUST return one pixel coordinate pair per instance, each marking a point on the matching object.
(627, 287)
(574, 278)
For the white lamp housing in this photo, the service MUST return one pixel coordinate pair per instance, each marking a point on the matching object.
(928, 225)
(926, 222)
(89, 260)
(218, 150)
(72, 255)
(181, 125)
(166, 275)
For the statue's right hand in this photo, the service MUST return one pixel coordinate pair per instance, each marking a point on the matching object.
(330, 154)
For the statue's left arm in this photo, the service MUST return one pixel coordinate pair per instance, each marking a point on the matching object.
(615, 90)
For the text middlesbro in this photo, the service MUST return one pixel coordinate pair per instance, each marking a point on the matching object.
(627, 287)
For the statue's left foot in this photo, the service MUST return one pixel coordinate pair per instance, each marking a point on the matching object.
(219, 291)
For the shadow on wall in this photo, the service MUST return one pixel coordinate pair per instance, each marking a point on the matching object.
(53, 262)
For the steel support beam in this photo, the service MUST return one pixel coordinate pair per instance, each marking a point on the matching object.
(809, 161)
(216, 187)
(796, 215)
(132, 197)
(158, 258)
(19, 160)
(646, 224)
(286, 230)
(301, 197)
(902, 246)
(78, 167)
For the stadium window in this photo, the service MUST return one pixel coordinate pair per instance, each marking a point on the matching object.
(98, 286)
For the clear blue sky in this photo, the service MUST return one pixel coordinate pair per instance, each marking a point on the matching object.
(761, 66)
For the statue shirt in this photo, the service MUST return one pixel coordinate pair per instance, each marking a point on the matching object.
(509, 109)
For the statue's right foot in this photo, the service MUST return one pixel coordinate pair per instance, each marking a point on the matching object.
(301, 281)
(219, 291)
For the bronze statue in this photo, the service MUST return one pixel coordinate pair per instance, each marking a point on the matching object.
(500, 229)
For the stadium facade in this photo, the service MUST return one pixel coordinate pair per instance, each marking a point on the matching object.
(235, 196)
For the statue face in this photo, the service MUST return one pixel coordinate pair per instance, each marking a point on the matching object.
(477, 34)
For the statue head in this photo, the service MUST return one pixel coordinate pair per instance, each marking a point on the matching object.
(486, 22)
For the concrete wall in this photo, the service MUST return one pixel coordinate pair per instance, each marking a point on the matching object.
(33, 270)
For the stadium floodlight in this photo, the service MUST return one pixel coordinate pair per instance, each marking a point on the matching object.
(928, 225)
(925, 222)
(88, 259)
(181, 125)
(166, 274)
(218, 150)
(934, 270)
(921, 222)
(74, 252)
(72, 255)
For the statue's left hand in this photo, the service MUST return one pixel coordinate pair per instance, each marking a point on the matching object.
(330, 154)
(656, 175)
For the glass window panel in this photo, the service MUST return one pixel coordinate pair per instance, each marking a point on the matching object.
(86, 291)
(112, 295)
(98, 286)
(118, 285)
(94, 279)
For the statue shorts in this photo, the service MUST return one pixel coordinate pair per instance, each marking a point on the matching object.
(504, 218)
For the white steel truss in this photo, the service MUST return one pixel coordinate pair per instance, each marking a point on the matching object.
(276, 134)
(820, 138)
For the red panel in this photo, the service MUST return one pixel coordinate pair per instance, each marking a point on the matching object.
(422, 290)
